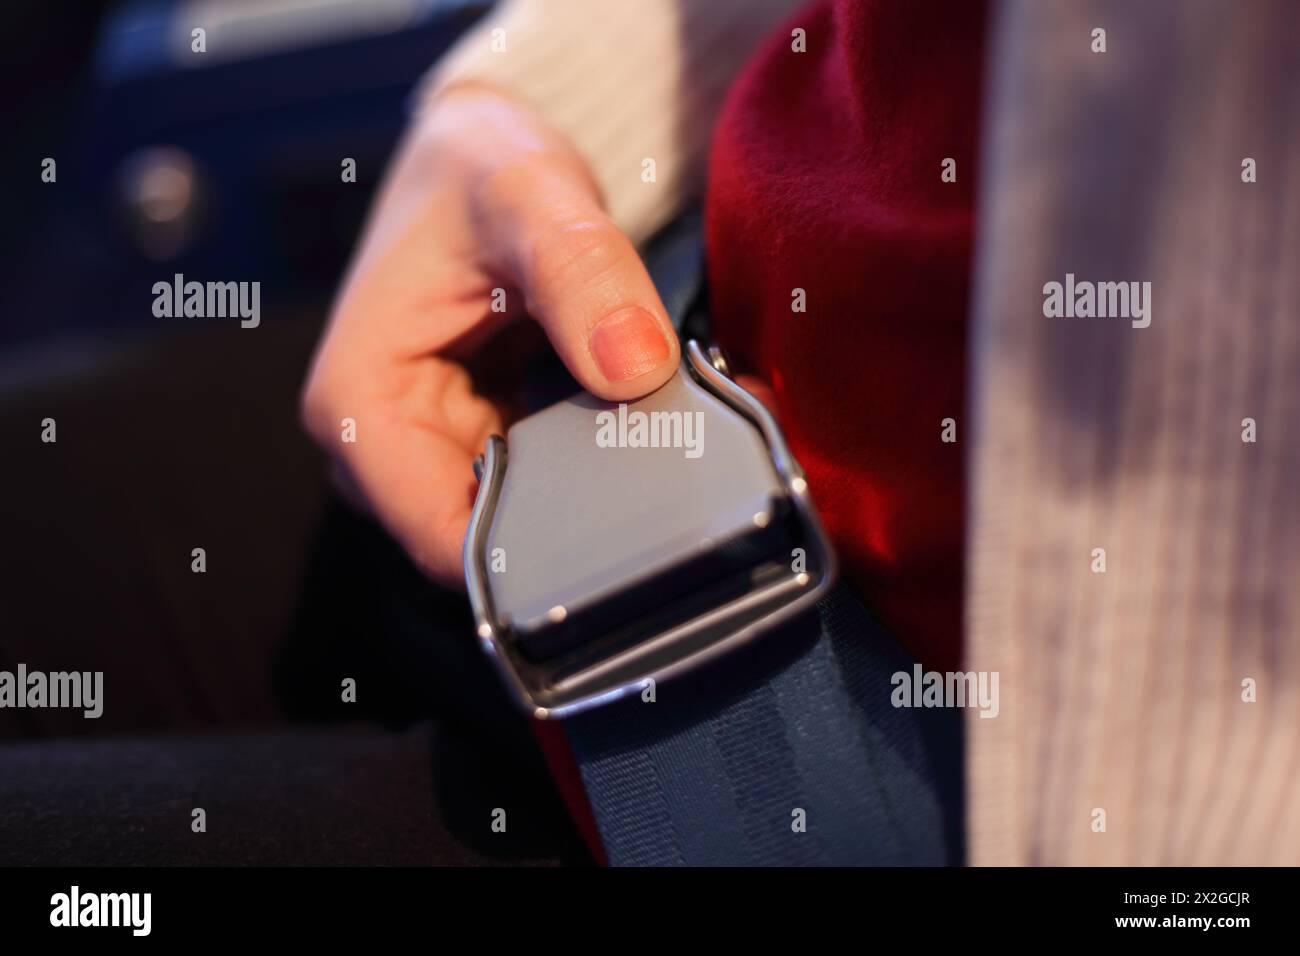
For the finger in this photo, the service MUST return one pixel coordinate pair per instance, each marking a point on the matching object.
(421, 487)
(416, 479)
(584, 283)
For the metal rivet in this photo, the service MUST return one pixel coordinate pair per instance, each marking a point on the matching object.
(718, 359)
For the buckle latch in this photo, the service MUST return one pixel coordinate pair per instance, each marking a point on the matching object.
(613, 544)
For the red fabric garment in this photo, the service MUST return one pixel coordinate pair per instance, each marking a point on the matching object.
(825, 176)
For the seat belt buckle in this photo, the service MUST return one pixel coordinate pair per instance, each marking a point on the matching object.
(614, 544)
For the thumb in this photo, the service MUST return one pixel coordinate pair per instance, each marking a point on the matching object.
(585, 284)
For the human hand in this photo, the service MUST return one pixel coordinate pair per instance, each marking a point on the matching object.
(483, 206)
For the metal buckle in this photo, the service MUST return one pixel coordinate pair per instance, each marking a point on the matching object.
(596, 671)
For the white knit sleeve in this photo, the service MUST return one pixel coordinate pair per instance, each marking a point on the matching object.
(634, 84)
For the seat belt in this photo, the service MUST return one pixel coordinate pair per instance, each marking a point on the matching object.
(723, 768)
(784, 750)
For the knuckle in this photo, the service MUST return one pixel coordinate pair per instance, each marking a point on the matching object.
(575, 254)
(504, 187)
